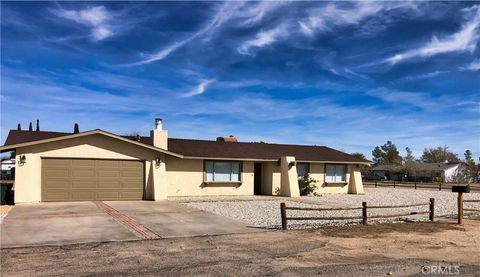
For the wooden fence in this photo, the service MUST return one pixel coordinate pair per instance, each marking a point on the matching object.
(461, 208)
(419, 185)
(364, 208)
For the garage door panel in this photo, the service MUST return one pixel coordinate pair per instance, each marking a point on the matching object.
(130, 195)
(82, 163)
(108, 195)
(83, 173)
(110, 185)
(83, 184)
(56, 196)
(57, 173)
(83, 180)
(82, 195)
(59, 184)
(108, 173)
(108, 163)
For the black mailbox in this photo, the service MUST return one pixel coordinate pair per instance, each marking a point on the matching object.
(460, 188)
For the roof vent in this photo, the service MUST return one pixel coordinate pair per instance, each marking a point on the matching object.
(227, 139)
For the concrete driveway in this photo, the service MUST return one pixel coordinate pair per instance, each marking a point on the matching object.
(79, 222)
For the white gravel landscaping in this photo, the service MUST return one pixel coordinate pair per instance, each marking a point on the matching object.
(257, 212)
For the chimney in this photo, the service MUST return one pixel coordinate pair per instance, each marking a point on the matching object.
(159, 136)
(227, 139)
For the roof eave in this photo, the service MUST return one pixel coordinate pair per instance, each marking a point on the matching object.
(82, 134)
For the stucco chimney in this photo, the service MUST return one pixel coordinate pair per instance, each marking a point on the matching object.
(159, 136)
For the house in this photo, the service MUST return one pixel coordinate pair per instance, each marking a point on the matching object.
(7, 168)
(98, 165)
(425, 172)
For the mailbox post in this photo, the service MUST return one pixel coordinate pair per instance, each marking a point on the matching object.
(460, 190)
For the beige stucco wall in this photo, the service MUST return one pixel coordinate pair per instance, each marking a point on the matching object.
(28, 175)
(352, 185)
(185, 178)
(271, 178)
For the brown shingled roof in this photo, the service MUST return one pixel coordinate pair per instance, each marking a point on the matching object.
(216, 149)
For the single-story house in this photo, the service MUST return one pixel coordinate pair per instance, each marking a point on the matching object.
(425, 172)
(98, 165)
(7, 168)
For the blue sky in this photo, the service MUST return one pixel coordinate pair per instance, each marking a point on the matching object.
(349, 75)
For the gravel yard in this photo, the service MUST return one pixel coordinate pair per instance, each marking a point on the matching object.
(265, 213)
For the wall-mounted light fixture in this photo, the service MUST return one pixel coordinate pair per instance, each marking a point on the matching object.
(22, 159)
(158, 162)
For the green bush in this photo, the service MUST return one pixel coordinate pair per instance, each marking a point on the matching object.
(307, 185)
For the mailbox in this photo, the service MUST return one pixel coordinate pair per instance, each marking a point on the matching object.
(460, 188)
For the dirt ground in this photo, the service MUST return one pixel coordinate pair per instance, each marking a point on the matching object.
(403, 249)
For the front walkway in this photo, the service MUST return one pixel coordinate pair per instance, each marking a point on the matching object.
(80, 222)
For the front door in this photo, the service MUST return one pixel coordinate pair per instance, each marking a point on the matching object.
(257, 179)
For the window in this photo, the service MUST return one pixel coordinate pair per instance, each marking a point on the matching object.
(302, 169)
(335, 173)
(220, 171)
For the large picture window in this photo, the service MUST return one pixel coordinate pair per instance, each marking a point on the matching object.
(222, 171)
(335, 173)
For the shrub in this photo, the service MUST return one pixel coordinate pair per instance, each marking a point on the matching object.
(307, 185)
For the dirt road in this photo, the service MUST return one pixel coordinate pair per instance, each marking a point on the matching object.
(377, 250)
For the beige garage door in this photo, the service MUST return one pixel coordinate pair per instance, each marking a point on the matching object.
(82, 179)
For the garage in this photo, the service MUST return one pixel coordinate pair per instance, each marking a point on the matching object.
(66, 179)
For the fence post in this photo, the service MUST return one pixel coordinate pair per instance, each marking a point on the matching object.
(439, 186)
(375, 183)
(432, 208)
(415, 185)
(364, 213)
(393, 184)
(283, 212)
(460, 208)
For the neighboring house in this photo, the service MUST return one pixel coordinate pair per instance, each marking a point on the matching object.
(7, 169)
(425, 172)
(97, 165)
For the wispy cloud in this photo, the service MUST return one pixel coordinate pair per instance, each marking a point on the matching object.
(344, 13)
(474, 66)
(262, 39)
(97, 18)
(199, 89)
(465, 40)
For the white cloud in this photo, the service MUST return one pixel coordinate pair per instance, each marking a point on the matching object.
(465, 40)
(97, 18)
(199, 89)
(249, 14)
(342, 13)
(262, 39)
(474, 66)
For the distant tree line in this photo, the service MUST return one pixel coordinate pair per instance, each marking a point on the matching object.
(388, 154)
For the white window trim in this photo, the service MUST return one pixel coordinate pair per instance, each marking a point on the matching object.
(344, 175)
(240, 168)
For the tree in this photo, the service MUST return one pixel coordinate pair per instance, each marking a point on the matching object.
(19, 127)
(38, 126)
(386, 154)
(76, 129)
(472, 170)
(409, 157)
(307, 185)
(363, 167)
(30, 128)
(439, 155)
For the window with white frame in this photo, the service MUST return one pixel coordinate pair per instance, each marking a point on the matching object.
(335, 173)
(222, 171)
(303, 169)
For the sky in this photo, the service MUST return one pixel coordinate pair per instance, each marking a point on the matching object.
(348, 75)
